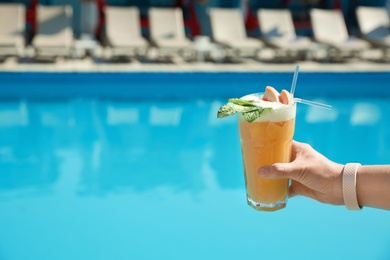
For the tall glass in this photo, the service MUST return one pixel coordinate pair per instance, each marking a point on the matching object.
(266, 141)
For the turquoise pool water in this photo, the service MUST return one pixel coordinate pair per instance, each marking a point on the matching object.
(90, 168)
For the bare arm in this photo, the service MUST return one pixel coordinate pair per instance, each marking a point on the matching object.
(373, 186)
(316, 177)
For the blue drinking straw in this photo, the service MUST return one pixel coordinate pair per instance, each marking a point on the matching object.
(303, 101)
(294, 82)
(312, 103)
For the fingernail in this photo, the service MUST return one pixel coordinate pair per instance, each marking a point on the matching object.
(263, 172)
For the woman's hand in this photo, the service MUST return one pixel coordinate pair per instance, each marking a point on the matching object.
(312, 175)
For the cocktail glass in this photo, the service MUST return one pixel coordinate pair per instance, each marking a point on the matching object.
(265, 141)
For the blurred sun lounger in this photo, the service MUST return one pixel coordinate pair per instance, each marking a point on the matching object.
(167, 32)
(329, 28)
(374, 24)
(278, 31)
(123, 31)
(228, 30)
(12, 29)
(54, 35)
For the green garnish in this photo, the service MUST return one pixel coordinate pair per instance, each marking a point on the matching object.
(249, 110)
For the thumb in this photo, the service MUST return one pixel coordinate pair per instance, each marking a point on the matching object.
(276, 171)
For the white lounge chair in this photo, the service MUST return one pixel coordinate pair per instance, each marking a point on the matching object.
(329, 28)
(54, 35)
(228, 30)
(278, 31)
(374, 24)
(12, 29)
(123, 31)
(167, 32)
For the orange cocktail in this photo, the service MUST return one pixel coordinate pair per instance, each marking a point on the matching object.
(265, 141)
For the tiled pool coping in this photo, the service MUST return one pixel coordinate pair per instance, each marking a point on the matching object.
(246, 65)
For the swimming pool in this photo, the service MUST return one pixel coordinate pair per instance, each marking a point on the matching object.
(136, 166)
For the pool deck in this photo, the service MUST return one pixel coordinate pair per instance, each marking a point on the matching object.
(134, 65)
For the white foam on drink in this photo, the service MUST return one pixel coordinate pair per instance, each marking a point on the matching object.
(280, 112)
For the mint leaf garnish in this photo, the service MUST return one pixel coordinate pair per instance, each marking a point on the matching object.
(242, 102)
(253, 115)
(249, 110)
(232, 108)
